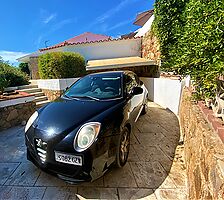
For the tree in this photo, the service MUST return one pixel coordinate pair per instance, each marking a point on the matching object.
(24, 67)
(1, 60)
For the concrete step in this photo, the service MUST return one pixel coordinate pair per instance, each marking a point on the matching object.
(40, 98)
(42, 103)
(38, 94)
(31, 90)
(33, 82)
(27, 87)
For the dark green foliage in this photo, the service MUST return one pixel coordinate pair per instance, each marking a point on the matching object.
(61, 65)
(24, 67)
(11, 76)
(3, 82)
(191, 35)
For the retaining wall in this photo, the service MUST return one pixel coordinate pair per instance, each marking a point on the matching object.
(204, 152)
(15, 111)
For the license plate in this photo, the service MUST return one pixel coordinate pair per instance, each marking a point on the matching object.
(69, 159)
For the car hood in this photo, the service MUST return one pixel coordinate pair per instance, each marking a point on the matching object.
(65, 115)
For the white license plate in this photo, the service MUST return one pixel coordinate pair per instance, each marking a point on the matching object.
(69, 159)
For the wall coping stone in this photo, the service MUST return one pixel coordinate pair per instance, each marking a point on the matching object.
(25, 98)
(55, 84)
(214, 122)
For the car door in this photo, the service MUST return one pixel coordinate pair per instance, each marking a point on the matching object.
(134, 101)
(144, 95)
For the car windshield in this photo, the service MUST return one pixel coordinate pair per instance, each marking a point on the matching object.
(96, 87)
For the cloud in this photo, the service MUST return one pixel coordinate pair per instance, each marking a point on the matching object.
(120, 24)
(46, 16)
(112, 11)
(49, 18)
(52, 29)
(38, 41)
(11, 56)
(102, 18)
(60, 24)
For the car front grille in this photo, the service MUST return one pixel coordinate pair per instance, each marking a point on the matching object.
(41, 148)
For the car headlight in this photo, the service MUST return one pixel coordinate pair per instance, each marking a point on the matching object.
(31, 120)
(86, 136)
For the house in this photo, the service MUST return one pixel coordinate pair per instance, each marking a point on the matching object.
(143, 17)
(100, 47)
(144, 20)
(91, 46)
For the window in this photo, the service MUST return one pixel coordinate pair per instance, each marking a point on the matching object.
(102, 86)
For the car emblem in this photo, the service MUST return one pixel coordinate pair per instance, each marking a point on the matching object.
(40, 142)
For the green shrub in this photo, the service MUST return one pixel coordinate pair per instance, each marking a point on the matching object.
(3, 82)
(191, 38)
(11, 76)
(61, 65)
(24, 67)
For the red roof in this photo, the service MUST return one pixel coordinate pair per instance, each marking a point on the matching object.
(143, 17)
(65, 43)
(83, 38)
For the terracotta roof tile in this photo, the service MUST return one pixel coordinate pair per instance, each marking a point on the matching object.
(84, 42)
(80, 39)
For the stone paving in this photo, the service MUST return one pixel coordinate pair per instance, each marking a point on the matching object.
(155, 169)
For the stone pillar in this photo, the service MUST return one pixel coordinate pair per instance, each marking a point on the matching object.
(150, 47)
(33, 66)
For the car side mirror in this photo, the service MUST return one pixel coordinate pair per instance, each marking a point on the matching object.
(136, 91)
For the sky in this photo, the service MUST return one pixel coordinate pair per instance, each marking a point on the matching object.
(28, 25)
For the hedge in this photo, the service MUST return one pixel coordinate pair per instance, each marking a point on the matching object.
(11, 76)
(57, 65)
(191, 35)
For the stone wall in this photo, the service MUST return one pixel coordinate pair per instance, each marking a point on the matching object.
(14, 115)
(52, 94)
(150, 47)
(33, 66)
(204, 152)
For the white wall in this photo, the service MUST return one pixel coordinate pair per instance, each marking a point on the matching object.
(105, 50)
(165, 92)
(147, 26)
(55, 84)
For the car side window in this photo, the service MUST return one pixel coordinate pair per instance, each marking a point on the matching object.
(130, 82)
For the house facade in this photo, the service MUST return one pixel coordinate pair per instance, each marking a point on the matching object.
(99, 47)
(94, 49)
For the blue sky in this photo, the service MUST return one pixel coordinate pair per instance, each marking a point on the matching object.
(27, 24)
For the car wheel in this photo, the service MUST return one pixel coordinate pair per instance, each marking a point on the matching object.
(144, 110)
(123, 148)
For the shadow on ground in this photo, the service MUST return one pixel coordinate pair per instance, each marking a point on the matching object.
(155, 169)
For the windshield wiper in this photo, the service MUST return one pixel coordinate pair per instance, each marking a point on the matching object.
(66, 96)
(86, 96)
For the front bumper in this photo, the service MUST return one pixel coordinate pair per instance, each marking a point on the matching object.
(67, 172)
(95, 161)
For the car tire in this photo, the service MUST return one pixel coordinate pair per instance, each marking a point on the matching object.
(123, 148)
(144, 109)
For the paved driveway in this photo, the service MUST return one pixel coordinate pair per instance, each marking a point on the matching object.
(155, 169)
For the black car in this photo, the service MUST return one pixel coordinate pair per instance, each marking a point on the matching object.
(82, 133)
